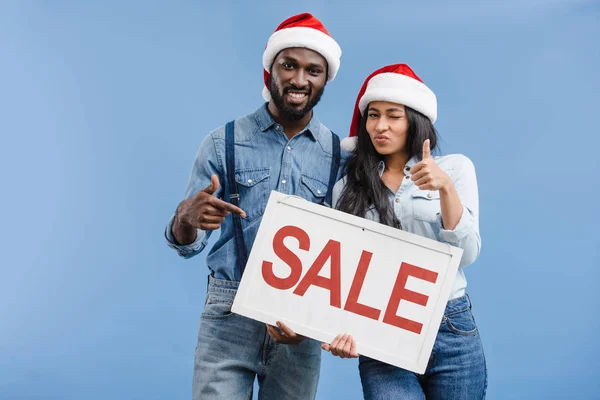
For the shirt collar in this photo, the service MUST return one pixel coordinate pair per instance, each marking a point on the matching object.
(264, 120)
(314, 129)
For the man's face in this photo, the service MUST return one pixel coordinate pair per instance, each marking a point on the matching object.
(297, 81)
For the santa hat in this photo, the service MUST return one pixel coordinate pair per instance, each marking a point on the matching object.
(395, 83)
(302, 30)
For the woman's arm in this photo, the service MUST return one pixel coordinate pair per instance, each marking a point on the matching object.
(459, 201)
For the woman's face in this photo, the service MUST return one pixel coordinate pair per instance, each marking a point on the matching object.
(387, 126)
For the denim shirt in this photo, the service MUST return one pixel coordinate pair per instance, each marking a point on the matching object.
(265, 160)
(419, 211)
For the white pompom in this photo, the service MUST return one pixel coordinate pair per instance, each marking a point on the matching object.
(266, 94)
(348, 144)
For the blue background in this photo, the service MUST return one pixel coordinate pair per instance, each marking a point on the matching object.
(103, 106)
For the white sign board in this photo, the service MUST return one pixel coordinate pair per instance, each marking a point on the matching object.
(323, 272)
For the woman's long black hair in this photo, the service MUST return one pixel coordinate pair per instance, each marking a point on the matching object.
(364, 188)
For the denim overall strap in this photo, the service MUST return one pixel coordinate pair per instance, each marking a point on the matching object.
(234, 197)
(335, 164)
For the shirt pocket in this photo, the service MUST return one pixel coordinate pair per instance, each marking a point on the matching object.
(253, 187)
(426, 205)
(313, 189)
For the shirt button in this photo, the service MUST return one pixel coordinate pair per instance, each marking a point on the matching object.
(283, 181)
(429, 195)
(318, 192)
(249, 180)
(397, 200)
(289, 148)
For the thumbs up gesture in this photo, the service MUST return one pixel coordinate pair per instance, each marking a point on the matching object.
(426, 174)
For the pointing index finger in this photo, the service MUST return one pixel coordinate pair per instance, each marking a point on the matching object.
(223, 205)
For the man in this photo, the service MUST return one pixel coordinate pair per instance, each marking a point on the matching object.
(281, 146)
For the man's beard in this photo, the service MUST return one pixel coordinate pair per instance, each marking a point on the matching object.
(287, 112)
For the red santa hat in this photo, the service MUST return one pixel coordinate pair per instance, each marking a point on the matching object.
(395, 83)
(302, 30)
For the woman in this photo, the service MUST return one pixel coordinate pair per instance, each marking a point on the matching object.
(392, 178)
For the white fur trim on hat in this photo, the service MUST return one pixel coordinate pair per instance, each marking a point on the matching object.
(348, 144)
(266, 94)
(309, 38)
(401, 89)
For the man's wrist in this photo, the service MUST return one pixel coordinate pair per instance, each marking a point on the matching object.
(183, 232)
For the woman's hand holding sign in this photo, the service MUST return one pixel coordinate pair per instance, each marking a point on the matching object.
(343, 346)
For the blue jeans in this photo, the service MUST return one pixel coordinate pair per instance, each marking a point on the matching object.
(232, 350)
(456, 368)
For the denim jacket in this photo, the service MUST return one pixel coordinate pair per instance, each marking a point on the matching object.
(419, 211)
(265, 160)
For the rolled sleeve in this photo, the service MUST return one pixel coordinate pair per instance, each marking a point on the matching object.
(462, 229)
(185, 250)
(466, 233)
(206, 164)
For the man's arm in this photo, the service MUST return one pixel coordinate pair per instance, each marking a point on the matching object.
(202, 211)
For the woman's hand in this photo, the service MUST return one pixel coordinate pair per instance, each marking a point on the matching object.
(343, 346)
(427, 174)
